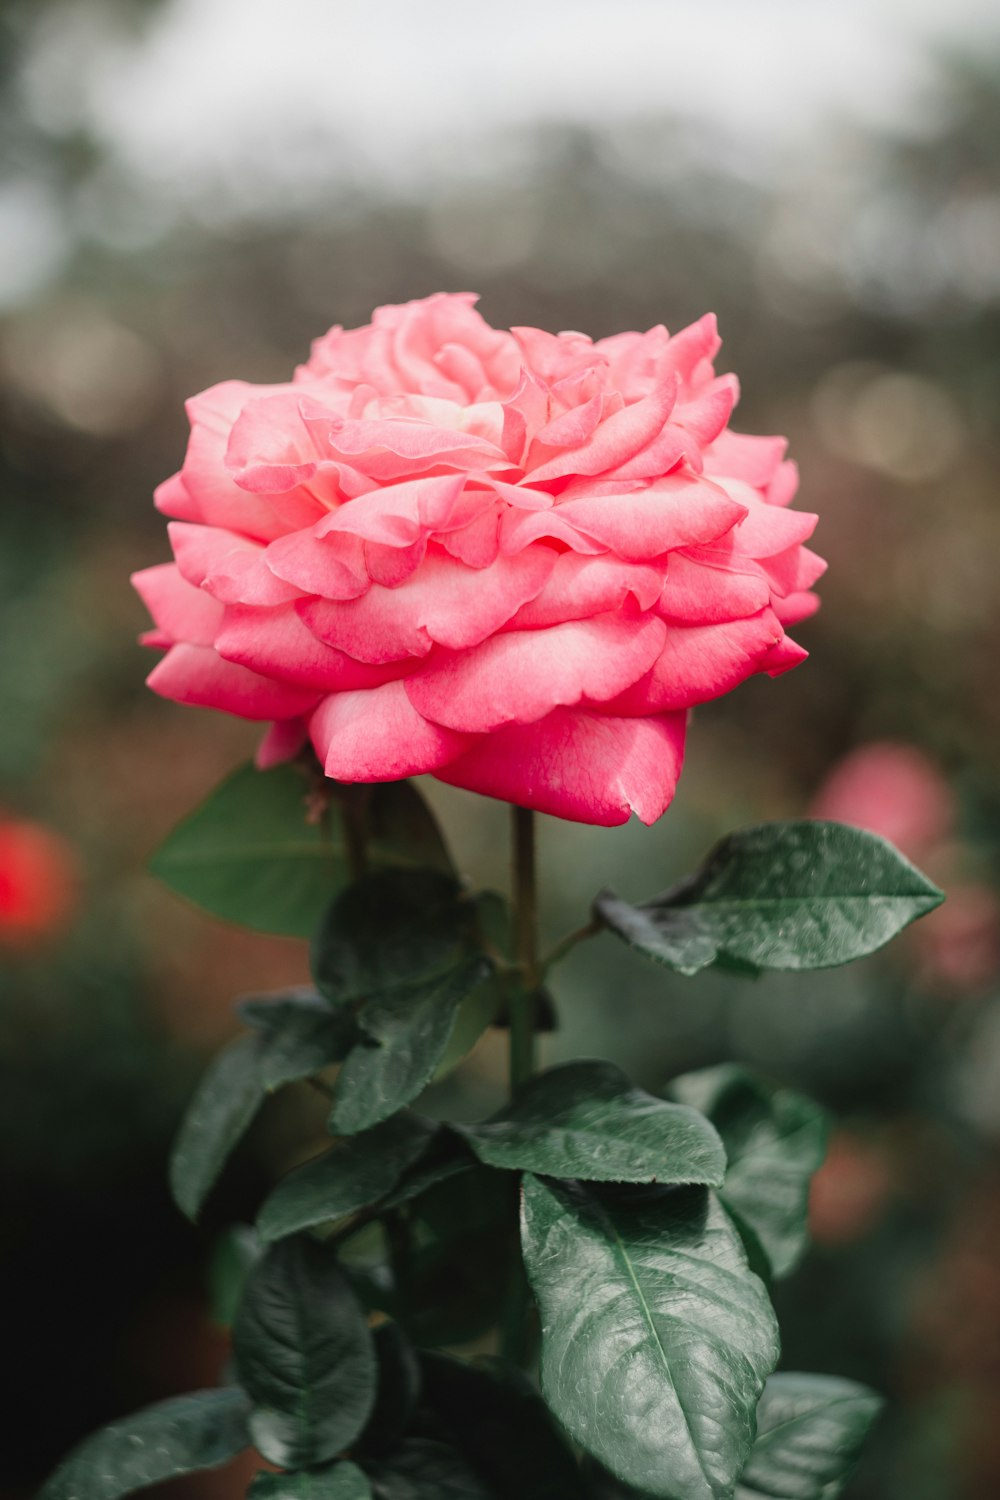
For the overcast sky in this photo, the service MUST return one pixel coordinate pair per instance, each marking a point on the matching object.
(214, 82)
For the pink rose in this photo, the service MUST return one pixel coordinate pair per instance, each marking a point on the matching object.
(512, 560)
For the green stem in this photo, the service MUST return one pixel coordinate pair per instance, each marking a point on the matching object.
(567, 944)
(525, 894)
(353, 815)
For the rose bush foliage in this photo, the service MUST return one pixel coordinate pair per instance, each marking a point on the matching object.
(514, 560)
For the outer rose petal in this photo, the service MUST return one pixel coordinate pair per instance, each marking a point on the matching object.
(181, 612)
(699, 662)
(232, 568)
(522, 675)
(198, 675)
(283, 740)
(574, 764)
(443, 602)
(796, 608)
(275, 643)
(219, 501)
(377, 735)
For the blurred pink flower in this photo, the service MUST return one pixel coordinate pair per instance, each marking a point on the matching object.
(890, 789)
(514, 560)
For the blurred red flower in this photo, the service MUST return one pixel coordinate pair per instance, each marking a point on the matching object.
(38, 882)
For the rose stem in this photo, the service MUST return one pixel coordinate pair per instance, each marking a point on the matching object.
(522, 1001)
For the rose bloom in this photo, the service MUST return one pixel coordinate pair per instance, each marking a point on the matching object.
(514, 560)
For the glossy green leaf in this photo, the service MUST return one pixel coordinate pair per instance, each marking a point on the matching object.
(400, 1379)
(424, 1470)
(304, 1354)
(495, 1415)
(249, 853)
(585, 1120)
(356, 1172)
(340, 1481)
(656, 1336)
(775, 1140)
(294, 1037)
(795, 895)
(810, 1431)
(407, 1033)
(179, 1436)
(303, 1033)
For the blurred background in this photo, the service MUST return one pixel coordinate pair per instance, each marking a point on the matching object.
(191, 190)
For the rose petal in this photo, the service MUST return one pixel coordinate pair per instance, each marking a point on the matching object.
(231, 567)
(796, 608)
(579, 587)
(218, 499)
(702, 591)
(615, 441)
(198, 675)
(282, 742)
(333, 568)
(573, 764)
(275, 643)
(379, 736)
(181, 611)
(521, 675)
(676, 512)
(396, 515)
(699, 662)
(444, 602)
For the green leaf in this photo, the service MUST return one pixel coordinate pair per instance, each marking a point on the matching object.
(356, 1172)
(585, 1120)
(233, 1255)
(223, 1107)
(400, 1378)
(249, 854)
(656, 1336)
(404, 947)
(297, 1035)
(775, 1140)
(407, 1034)
(810, 1431)
(303, 1034)
(796, 895)
(493, 1413)
(179, 1436)
(474, 1016)
(341, 1481)
(447, 1157)
(304, 1353)
(393, 930)
(424, 1470)
(464, 1230)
